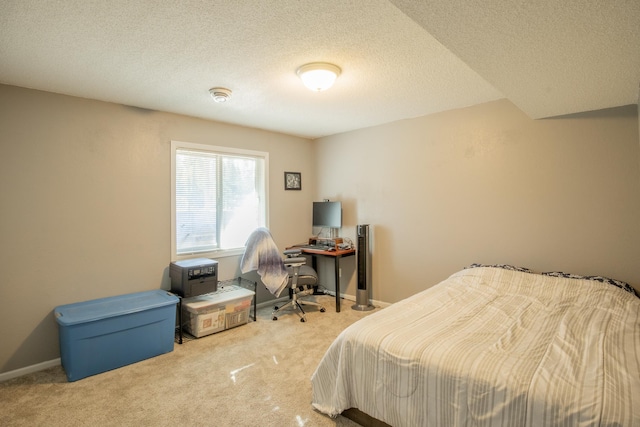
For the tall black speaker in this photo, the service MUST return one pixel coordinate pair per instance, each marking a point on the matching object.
(363, 253)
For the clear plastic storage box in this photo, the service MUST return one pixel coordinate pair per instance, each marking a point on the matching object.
(226, 308)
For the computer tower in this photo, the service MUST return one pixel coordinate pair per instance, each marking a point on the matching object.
(363, 255)
(193, 277)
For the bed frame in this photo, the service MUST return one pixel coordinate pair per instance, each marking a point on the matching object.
(365, 420)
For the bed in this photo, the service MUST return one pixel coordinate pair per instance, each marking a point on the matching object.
(492, 346)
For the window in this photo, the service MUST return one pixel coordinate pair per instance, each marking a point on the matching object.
(218, 198)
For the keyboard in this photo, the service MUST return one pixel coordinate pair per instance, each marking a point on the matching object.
(316, 247)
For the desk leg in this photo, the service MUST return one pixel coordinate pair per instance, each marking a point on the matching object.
(314, 265)
(180, 320)
(337, 273)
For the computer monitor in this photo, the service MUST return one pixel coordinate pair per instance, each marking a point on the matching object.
(327, 214)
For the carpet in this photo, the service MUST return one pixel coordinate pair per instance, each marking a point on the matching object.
(256, 374)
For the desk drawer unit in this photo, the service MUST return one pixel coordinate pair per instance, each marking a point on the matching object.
(107, 333)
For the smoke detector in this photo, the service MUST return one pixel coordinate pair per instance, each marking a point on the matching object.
(220, 94)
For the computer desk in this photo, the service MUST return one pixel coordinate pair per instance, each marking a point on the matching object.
(336, 255)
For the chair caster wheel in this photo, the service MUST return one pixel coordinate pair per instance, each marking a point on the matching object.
(303, 320)
(322, 310)
(274, 318)
(275, 308)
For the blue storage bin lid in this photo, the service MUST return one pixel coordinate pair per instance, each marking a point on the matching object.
(102, 308)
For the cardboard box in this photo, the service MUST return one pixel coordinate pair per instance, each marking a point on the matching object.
(107, 333)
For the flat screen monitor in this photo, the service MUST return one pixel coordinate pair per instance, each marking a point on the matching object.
(327, 214)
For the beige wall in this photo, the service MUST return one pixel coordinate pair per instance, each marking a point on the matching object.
(85, 190)
(487, 184)
(85, 211)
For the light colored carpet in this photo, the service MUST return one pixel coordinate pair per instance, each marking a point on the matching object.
(257, 374)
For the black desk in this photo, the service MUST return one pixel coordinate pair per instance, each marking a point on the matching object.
(336, 255)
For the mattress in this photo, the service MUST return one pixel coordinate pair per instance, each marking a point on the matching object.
(491, 347)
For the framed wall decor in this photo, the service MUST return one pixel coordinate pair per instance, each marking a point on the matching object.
(292, 181)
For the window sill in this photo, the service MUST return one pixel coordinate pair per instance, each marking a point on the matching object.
(222, 253)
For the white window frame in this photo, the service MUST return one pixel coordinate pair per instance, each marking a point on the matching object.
(217, 253)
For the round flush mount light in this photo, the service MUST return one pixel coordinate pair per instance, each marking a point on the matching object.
(318, 76)
(220, 94)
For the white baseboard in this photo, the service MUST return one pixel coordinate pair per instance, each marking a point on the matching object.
(375, 303)
(29, 369)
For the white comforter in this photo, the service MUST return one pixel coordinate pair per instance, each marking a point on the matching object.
(491, 347)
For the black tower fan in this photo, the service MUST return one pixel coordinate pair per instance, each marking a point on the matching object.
(364, 269)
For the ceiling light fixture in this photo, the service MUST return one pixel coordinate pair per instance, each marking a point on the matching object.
(318, 76)
(220, 94)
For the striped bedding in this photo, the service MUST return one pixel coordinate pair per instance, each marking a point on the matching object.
(491, 347)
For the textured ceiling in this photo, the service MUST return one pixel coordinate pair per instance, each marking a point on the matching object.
(399, 58)
(549, 57)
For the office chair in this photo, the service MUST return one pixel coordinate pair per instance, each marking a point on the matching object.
(262, 254)
(302, 279)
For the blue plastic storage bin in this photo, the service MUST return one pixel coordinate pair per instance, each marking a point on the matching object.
(107, 333)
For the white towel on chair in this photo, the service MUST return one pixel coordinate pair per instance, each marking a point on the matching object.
(263, 255)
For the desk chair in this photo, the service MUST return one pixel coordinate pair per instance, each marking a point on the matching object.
(262, 255)
(302, 279)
